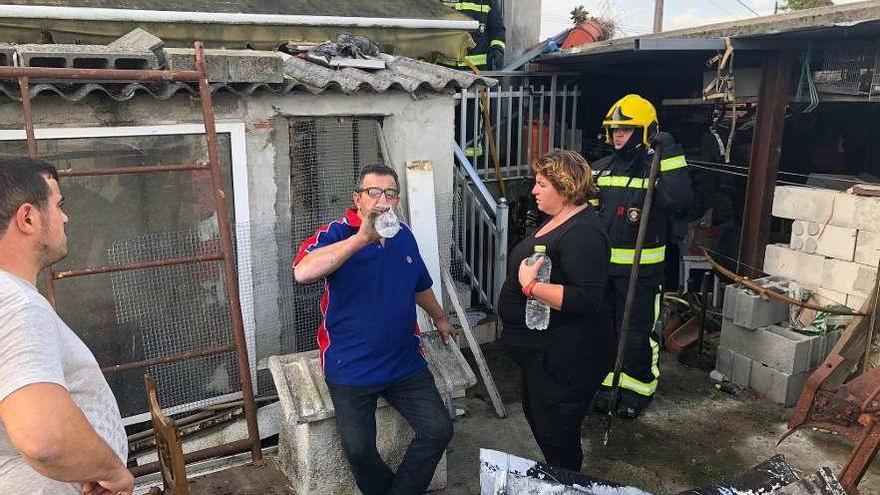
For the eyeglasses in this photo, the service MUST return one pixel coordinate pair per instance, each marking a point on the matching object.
(375, 192)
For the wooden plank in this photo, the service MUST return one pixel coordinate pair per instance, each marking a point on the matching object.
(474, 345)
(764, 161)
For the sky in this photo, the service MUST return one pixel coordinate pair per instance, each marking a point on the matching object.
(637, 16)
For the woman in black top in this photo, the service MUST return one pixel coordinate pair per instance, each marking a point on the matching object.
(563, 365)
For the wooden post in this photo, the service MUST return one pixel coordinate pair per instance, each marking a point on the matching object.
(764, 161)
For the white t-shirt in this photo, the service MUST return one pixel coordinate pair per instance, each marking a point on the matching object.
(36, 346)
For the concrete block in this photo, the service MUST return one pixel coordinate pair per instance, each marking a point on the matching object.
(778, 386)
(85, 57)
(825, 296)
(750, 310)
(733, 366)
(829, 240)
(826, 206)
(140, 40)
(848, 277)
(724, 362)
(231, 65)
(867, 248)
(776, 346)
(309, 449)
(856, 302)
(805, 268)
(6, 52)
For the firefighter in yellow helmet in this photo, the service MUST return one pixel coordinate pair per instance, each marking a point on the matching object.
(631, 127)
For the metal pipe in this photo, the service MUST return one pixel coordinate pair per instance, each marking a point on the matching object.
(136, 266)
(151, 169)
(27, 113)
(231, 278)
(236, 447)
(99, 74)
(139, 16)
(118, 368)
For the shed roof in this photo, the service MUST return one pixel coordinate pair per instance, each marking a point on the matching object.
(854, 19)
(400, 73)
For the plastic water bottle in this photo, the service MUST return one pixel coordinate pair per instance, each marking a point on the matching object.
(538, 313)
(387, 224)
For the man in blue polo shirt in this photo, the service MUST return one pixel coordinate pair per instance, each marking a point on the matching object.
(369, 338)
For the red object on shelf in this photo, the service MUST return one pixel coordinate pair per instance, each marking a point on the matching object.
(540, 134)
(588, 31)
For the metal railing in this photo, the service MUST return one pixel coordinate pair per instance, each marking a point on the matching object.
(479, 233)
(528, 119)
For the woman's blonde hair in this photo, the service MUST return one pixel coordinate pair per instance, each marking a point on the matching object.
(570, 175)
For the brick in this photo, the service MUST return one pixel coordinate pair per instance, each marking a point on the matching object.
(231, 65)
(851, 278)
(778, 386)
(805, 268)
(750, 310)
(829, 240)
(734, 366)
(85, 57)
(867, 248)
(776, 346)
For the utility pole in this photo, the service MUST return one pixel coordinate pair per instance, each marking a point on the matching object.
(775, 7)
(658, 16)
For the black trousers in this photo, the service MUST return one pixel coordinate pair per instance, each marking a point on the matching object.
(555, 418)
(417, 400)
(641, 361)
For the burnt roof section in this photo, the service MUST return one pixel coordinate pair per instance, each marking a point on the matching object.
(412, 9)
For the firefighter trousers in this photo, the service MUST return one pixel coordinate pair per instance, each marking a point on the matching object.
(641, 361)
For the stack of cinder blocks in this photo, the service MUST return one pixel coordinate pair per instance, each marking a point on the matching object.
(835, 243)
(759, 351)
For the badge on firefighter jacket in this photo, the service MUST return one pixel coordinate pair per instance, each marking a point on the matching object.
(633, 215)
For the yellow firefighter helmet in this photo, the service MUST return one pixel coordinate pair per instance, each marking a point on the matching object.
(632, 111)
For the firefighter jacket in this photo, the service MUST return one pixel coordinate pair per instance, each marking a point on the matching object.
(623, 184)
(489, 36)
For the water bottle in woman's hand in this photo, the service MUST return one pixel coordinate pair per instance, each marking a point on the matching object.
(537, 312)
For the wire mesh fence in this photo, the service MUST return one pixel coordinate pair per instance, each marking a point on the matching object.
(851, 70)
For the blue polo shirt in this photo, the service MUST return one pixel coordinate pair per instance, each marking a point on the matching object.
(369, 335)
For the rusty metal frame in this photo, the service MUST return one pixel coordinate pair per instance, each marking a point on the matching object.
(225, 254)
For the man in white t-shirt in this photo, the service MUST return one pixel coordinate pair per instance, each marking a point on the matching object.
(60, 428)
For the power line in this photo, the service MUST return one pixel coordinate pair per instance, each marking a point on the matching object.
(746, 6)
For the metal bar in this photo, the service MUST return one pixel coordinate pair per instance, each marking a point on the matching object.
(501, 222)
(486, 137)
(541, 142)
(519, 127)
(99, 74)
(497, 125)
(151, 169)
(473, 231)
(137, 266)
(507, 159)
(552, 134)
(244, 369)
(118, 368)
(462, 119)
(564, 96)
(574, 107)
(476, 130)
(27, 113)
(764, 160)
(531, 129)
(475, 177)
(236, 447)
